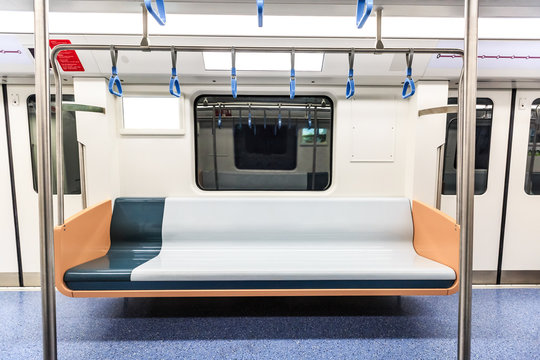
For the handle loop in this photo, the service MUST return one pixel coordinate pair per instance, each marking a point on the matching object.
(219, 116)
(115, 80)
(409, 82)
(240, 118)
(160, 14)
(234, 82)
(292, 90)
(249, 116)
(289, 120)
(174, 83)
(279, 117)
(260, 10)
(363, 10)
(349, 91)
(308, 115)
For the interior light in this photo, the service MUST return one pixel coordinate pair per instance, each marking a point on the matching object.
(255, 61)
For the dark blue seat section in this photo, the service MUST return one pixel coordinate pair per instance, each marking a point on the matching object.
(135, 238)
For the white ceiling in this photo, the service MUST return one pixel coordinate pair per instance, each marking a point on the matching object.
(142, 67)
(413, 8)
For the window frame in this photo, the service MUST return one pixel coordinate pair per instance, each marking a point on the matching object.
(527, 174)
(330, 144)
(481, 100)
(33, 163)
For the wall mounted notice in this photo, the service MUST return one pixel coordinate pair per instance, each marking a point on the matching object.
(68, 59)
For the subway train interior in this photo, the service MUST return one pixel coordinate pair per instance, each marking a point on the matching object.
(347, 179)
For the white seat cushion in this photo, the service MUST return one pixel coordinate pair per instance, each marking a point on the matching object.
(206, 239)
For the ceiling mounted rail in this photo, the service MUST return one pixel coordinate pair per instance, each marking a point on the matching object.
(174, 84)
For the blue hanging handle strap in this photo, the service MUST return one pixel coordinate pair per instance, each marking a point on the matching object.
(240, 118)
(409, 82)
(234, 82)
(363, 10)
(289, 120)
(219, 116)
(349, 92)
(279, 117)
(174, 84)
(292, 90)
(308, 116)
(249, 116)
(115, 80)
(159, 15)
(260, 10)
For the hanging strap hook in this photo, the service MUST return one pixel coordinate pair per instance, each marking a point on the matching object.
(409, 82)
(349, 92)
(219, 116)
(308, 115)
(363, 10)
(174, 84)
(249, 116)
(240, 118)
(234, 83)
(158, 14)
(279, 117)
(292, 90)
(114, 80)
(260, 11)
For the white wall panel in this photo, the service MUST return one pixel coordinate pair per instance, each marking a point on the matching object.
(165, 165)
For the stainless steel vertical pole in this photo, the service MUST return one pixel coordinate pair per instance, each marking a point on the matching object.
(59, 149)
(440, 175)
(466, 196)
(41, 38)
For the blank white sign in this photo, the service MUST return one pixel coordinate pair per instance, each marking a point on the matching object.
(151, 113)
(373, 130)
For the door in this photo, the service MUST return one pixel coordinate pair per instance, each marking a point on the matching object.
(23, 138)
(9, 274)
(521, 242)
(493, 113)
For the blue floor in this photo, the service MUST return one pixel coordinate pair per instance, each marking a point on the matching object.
(506, 325)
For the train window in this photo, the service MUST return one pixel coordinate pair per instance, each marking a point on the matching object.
(532, 172)
(72, 182)
(484, 115)
(151, 115)
(263, 142)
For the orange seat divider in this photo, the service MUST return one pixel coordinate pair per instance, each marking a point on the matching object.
(436, 237)
(83, 237)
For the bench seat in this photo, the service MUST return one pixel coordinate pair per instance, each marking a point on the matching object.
(260, 243)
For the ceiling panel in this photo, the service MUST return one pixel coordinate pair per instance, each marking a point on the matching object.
(438, 8)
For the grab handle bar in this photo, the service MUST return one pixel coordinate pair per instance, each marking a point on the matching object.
(115, 80)
(292, 88)
(260, 10)
(160, 14)
(409, 82)
(174, 84)
(363, 10)
(234, 82)
(349, 92)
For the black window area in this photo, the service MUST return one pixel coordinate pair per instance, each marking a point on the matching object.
(484, 115)
(532, 172)
(263, 142)
(72, 182)
(258, 148)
